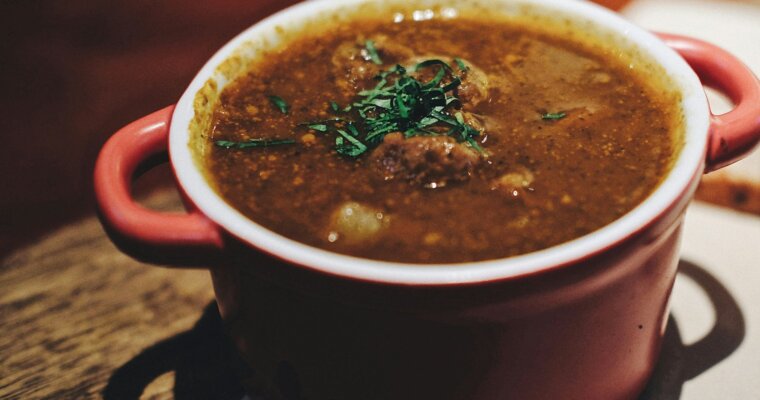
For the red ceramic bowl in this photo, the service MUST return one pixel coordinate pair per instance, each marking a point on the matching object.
(582, 320)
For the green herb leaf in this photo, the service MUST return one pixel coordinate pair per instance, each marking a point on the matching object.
(354, 148)
(437, 80)
(318, 127)
(278, 102)
(381, 103)
(427, 121)
(475, 145)
(372, 52)
(462, 66)
(453, 85)
(553, 116)
(432, 62)
(402, 107)
(353, 130)
(335, 107)
(323, 125)
(253, 143)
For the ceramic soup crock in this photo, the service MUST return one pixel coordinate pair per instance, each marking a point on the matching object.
(582, 320)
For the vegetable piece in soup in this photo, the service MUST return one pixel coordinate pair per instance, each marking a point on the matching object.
(430, 142)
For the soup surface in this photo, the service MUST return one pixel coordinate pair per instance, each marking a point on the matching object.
(432, 142)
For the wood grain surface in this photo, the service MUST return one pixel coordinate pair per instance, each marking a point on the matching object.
(73, 309)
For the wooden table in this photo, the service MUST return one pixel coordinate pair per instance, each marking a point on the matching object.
(74, 310)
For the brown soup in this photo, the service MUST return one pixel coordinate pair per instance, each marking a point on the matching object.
(432, 142)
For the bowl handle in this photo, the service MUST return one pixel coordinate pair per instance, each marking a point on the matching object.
(734, 134)
(179, 239)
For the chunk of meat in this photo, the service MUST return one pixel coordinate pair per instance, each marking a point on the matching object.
(432, 161)
(352, 69)
(474, 87)
(354, 63)
(354, 223)
(390, 51)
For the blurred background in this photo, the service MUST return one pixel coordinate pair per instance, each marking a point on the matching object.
(74, 72)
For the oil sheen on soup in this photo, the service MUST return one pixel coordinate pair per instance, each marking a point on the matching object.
(432, 142)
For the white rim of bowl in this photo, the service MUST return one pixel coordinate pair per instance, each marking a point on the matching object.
(696, 113)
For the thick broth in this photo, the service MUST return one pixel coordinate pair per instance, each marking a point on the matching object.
(572, 140)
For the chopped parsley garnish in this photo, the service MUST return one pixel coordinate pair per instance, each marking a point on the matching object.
(399, 102)
(553, 116)
(253, 143)
(402, 103)
(372, 52)
(278, 102)
(348, 144)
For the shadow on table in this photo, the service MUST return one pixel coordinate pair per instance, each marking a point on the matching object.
(204, 360)
(206, 364)
(680, 363)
